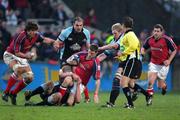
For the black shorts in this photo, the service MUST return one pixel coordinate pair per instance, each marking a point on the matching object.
(132, 68)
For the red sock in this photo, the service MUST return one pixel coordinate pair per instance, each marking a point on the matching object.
(12, 80)
(62, 90)
(19, 87)
(150, 91)
(86, 93)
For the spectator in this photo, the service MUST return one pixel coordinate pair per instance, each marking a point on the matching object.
(5, 38)
(60, 15)
(44, 10)
(90, 19)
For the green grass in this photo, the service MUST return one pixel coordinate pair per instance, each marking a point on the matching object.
(164, 108)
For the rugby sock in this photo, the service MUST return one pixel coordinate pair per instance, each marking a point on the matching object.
(19, 87)
(113, 96)
(86, 93)
(150, 91)
(12, 80)
(127, 93)
(38, 90)
(115, 91)
(140, 89)
(62, 90)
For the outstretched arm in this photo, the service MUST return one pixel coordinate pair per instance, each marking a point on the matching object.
(96, 97)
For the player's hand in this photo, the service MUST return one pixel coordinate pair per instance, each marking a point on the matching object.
(96, 98)
(56, 45)
(76, 78)
(30, 55)
(166, 62)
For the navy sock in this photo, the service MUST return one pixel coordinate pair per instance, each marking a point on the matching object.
(140, 89)
(127, 93)
(115, 91)
(38, 90)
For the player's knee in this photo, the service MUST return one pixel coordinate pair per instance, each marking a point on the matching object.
(18, 68)
(28, 77)
(67, 81)
(49, 85)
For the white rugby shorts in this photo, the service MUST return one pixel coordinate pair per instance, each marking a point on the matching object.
(161, 70)
(8, 57)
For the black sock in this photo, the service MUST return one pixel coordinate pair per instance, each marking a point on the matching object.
(113, 96)
(140, 89)
(115, 91)
(127, 93)
(38, 90)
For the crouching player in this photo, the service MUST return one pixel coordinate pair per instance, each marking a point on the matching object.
(87, 65)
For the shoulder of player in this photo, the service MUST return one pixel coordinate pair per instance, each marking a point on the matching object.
(21, 35)
(67, 30)
(86, 31)
(167, 38)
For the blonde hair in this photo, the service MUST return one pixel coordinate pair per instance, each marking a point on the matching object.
(117, 26)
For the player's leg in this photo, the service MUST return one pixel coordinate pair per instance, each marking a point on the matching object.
(115, 88)
(27, 79)
(162, 74)
(68, 81)
(86, 95)
(45, 88)
(162, 84)
(13, 64)
(126, 90)
(152, 76)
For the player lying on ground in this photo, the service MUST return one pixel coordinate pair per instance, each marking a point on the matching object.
(47, 91)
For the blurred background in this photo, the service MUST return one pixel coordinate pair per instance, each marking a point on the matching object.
(99, 15)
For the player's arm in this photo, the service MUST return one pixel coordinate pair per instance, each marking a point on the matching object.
(28, 55)
(102, 57)
(97, 78)
(145, 47)
(78, 94)
(59, 43)
(171, 45)
(96, 92)
(18, 46)
(48, 40)
(109, 46)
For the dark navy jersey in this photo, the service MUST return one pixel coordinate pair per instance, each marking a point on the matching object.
(73, 41)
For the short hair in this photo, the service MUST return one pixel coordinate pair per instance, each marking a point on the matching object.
(31, 26)
(94, 47)
(116, 26)
(79, 19)
(159, 26)
(127, 22)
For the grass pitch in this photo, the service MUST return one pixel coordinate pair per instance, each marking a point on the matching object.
(164, 108)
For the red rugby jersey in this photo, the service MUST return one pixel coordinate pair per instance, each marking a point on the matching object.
(23, 43)
(160, 49)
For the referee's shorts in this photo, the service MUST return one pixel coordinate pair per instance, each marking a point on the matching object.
(132, 68)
